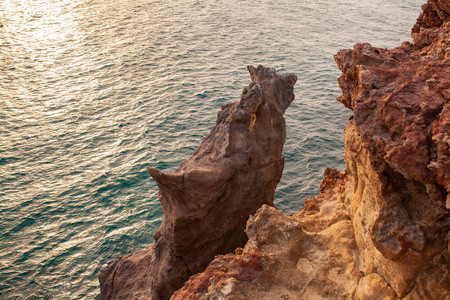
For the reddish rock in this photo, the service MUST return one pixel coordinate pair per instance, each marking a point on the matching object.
(397, 95)
(378, 230)
(246, 274)
(381, 228)
(306, 256)
(441, 138)
(429, 26)
(397, 152)
(208, 199)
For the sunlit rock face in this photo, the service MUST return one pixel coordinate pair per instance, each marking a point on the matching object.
(397, 155)
(208, 199)
(381, 228)
(311, 255)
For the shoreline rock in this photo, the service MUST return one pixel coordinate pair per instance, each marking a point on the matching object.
(381, 228)
(208, 199)
(378, 230)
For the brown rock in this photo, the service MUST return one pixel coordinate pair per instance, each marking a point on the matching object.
(306, 256)
(208, 199)
(398, 226)
(429, 24)
(374, 287)
(397, 152)
(441, 138)
(387, 99)
(444, 5)
(380, 229)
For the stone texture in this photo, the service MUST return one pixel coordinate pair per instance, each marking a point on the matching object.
(430, 25)
(374, 287)
(399, 227)
(441, 138)
(305, 256)
(381, 228)
(208, 199)
(397, 151)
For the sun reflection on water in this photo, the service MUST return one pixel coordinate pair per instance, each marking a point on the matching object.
(38, 25)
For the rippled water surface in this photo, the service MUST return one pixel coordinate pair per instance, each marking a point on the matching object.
(93, 91)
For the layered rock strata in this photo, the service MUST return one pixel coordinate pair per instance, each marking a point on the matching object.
(381, 228)
(208, 199)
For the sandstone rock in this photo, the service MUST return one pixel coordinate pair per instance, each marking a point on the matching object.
(397, 153)
(208, 199)
(374, 287)
(381, 228)
(306, 256)
(398, 226)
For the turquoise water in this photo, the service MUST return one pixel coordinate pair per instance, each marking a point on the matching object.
(93, 91)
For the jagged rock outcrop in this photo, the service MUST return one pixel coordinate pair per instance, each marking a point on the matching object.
(381, 228)
(208, 199)
(311, 255)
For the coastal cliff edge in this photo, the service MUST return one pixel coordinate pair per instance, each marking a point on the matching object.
(378, 230)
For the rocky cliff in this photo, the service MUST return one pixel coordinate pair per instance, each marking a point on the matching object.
(378, 230)
(381, 228)
(209, 198)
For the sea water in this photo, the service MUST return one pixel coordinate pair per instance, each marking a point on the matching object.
(94, 91)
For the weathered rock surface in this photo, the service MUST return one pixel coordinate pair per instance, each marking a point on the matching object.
(288, 257)
(208, 199)
(380, 229)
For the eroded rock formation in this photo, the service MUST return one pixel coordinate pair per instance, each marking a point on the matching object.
(208, 199)
(381, 228)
